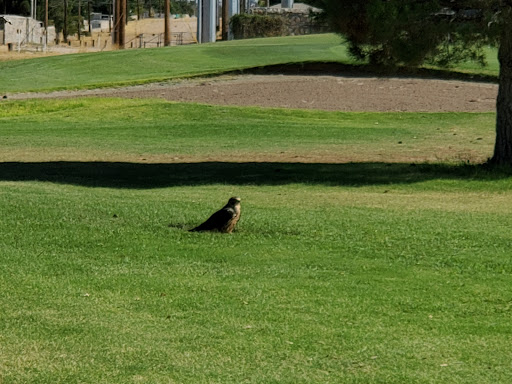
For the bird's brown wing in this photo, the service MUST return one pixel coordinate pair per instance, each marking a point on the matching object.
(216, 221)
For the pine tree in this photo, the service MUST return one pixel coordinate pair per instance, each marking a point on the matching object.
(443, 32)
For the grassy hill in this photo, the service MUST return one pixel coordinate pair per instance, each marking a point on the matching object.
(146, 65)
(126, 67)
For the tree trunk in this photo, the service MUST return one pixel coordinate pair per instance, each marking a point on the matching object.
(503, 145)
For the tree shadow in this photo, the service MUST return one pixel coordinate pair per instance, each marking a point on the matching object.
(146, 176)
(367, 70)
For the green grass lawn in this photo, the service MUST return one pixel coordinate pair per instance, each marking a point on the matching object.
(126, 67)
(340, 271)
(371, 249)
(160, 131)
(146, 65)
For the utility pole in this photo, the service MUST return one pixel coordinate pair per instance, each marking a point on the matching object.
(225, 19)
(117, 11)
(65, 27)
(89, 16)
(167, 22)
(78, 22)
(46, 25)
(119, 23)
(122, 23)
(111, 9)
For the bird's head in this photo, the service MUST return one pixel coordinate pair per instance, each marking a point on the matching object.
(234, 201)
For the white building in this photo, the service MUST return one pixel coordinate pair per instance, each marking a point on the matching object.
(20, 30)
(100, 22)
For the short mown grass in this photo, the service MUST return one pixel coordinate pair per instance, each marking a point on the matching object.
(126, 67)
(341, 270)
(139, 66)
(159, 131)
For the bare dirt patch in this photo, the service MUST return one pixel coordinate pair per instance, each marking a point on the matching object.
(333, 93)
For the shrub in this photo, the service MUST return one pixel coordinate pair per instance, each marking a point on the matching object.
(246, 26)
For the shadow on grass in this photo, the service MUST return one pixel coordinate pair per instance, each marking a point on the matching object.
(143, 176)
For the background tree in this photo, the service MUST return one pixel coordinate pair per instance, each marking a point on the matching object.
(314, 3)
(443, 32)
(64, 16)
(15, 7)
(183, 7)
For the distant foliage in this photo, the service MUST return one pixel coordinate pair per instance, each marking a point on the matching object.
(246, 26)
(15, 7)
(183, 7)
(56, 8)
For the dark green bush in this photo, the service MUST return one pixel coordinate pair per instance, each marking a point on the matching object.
(246, 26)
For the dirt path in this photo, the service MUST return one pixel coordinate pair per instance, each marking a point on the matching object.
(334, 93)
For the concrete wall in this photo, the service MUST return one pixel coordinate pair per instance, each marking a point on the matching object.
(25, 30)
(99, 23)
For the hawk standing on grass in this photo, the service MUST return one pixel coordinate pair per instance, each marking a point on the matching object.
(224, 220)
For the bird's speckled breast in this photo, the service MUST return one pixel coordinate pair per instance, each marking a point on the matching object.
(231, 224)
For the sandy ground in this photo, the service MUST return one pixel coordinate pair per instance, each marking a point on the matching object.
(333, 93)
